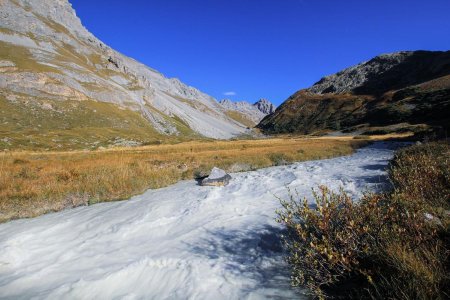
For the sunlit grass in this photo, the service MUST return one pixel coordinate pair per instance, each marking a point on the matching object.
(34, 183)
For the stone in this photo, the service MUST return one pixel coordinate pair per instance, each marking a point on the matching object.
(217, 177)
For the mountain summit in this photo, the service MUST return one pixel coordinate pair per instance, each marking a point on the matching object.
(408, 90)
(386, 72)
(265, 106)
(63, 87)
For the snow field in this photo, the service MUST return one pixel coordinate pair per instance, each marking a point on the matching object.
(179, 242)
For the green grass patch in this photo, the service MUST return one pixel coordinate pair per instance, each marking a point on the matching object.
(23, 58)
(50, 124)
(240, 118)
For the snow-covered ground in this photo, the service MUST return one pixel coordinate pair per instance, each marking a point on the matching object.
(179, 242)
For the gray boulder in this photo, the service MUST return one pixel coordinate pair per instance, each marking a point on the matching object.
(218, 177)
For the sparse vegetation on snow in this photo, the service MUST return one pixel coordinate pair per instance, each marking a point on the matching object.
(385, 246)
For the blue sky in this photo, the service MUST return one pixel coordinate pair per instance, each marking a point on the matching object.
(251, 49)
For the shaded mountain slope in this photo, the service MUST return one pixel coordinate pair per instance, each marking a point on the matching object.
(408, 88)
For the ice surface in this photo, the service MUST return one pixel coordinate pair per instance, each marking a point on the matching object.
(179, 242)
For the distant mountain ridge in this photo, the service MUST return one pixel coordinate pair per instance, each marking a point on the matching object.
(386, 72)
(51, 67)
(398, 91)
(250, 114)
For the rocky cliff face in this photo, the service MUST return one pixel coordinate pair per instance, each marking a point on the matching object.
(398, 91)
(264, 106)
(46, 55)
(244, 112)
(385, 72)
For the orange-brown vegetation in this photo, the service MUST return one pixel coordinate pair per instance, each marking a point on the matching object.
(386, 246)
(34, 183)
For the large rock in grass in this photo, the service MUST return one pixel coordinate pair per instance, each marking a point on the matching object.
(218, 177)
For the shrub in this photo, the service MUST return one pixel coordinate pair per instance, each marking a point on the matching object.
(324, 241)
(421, 174)
(19, 161)
(279, 159)
(392, 245)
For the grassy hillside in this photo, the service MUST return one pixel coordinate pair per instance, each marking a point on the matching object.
(306, 113)
(240, 118)
(48, 63)
(65, 125)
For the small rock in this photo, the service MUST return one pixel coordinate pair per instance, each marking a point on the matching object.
(432, 219)
(6, 63)
(218, 177)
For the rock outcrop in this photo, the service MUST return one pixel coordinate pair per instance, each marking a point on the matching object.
(46, 53)
(217, 177)
(264, 106)
(407, 90)
(386, 72)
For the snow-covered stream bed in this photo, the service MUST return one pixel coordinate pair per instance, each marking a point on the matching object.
(179, 242)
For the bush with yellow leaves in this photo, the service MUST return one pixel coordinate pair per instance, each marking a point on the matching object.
(384, 246)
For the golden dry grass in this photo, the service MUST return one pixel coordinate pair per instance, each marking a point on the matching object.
(34, 183)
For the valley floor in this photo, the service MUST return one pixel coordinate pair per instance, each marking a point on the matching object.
(34, 183)
(178, 242)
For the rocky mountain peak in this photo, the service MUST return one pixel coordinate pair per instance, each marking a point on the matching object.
(226, 102)
(382, 73)
(265, 106)
(348, 79)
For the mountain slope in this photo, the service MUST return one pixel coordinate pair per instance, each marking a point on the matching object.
(246, 113)
(47, 56)
(398, 91)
